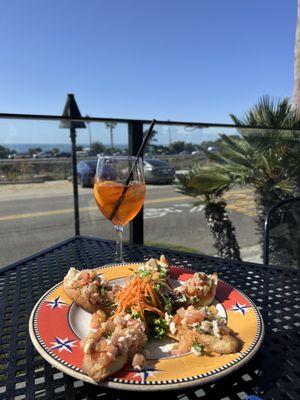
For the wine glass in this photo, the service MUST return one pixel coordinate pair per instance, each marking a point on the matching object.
(119, 191)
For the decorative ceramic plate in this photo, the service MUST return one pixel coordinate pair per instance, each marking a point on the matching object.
(57, 325)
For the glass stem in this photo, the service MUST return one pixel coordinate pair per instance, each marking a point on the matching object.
(119, 249)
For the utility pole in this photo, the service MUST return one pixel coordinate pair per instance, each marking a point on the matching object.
(111, 136)
(170, 135)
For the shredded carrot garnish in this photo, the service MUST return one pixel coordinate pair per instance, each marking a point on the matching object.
(138, 295)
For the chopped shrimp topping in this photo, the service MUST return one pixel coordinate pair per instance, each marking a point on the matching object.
(117, 336)
(197, 286)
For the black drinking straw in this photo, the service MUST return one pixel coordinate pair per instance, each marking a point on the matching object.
(140, 151)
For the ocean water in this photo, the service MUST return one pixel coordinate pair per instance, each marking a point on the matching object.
(24, 147)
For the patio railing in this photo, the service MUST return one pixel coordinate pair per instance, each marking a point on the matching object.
(135, 131)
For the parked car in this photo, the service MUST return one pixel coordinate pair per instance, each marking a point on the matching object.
(63, 154)
(43, 154)
(18, 156)
(158, 171)
(86, 170)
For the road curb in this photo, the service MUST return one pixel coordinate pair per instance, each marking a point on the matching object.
(39, 180)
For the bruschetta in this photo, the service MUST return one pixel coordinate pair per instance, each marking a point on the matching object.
(109, 348)
(199, 290)
(201, 329)
(89, 290)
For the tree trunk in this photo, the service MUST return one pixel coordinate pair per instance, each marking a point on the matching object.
(222, 230)
(296, 94)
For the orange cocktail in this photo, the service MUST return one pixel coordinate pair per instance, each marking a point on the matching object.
(107, 195)
(119, 191)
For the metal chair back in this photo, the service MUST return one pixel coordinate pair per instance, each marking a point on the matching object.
(266, 245)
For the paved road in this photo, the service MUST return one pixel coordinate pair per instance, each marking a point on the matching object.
(33, 217)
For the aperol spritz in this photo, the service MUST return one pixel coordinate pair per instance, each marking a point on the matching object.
(119, 191)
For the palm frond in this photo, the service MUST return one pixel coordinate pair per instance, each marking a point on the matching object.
(236, 143)
(216, 157)
(270, 113)
(285, 186)
(205, 181)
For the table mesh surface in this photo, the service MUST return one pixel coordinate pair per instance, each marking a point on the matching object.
(273, 373)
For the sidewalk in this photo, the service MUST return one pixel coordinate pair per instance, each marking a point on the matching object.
(252, 254)
(22, 190)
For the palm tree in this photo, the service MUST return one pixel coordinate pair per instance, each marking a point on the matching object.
(279, 176)
(197, 183)
(296, 94)
(111, 126)
(241, 163)
(265, 159)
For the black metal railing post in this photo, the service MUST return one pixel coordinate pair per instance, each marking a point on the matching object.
(75, 181)
(135, 138)
(71, 110)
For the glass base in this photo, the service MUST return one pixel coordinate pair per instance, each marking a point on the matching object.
(119, 260)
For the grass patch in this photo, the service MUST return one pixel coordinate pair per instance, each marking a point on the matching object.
(173, 247)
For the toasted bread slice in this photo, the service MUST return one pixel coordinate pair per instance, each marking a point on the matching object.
(209, 298)
(77, 297)
(88, 290)
(223, 344)
(93, 368)
(112, 345)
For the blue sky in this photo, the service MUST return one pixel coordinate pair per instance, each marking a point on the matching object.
(172, 59)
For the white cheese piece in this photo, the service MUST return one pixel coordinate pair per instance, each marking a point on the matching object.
(216, 330)
(167, 348)
(168, 318)
(173, 328)
(195, 351)
(77, 275)
(206, 326)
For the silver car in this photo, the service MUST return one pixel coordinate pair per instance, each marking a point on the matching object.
(158, 171)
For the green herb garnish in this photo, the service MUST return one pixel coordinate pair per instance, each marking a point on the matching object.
(167, 302)
(157, 326)
(198, 347)
(135, 314)
(103, 290)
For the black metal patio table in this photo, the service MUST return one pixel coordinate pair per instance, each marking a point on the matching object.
(273, 373)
